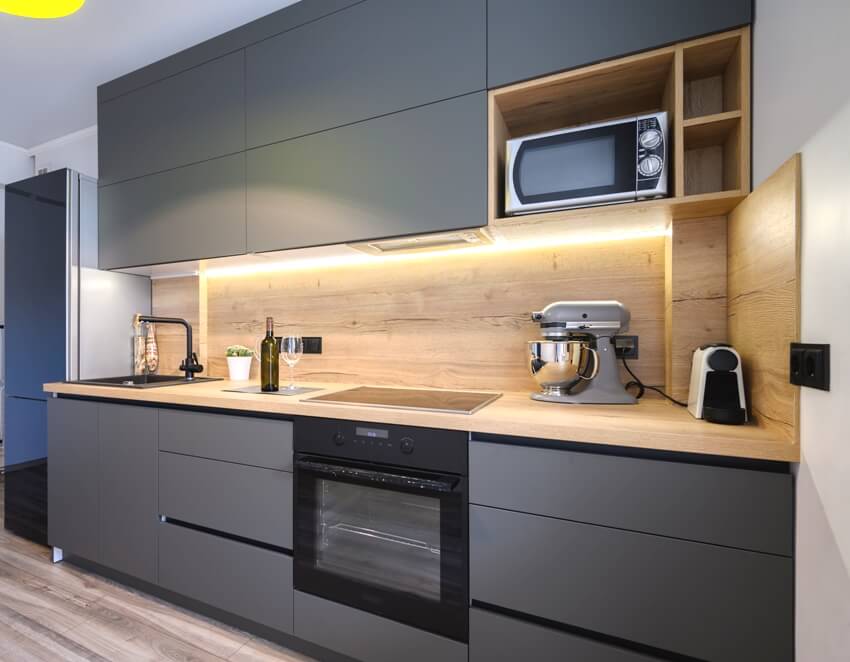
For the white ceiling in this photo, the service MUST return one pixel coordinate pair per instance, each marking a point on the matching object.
(50, 70)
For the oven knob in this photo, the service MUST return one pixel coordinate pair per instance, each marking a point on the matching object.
(650, 138)
(338, 438)
(649, 166)
(406, 445)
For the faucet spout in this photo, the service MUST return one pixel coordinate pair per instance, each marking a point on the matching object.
(190, 364)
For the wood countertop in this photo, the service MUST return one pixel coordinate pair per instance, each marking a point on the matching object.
(653, 424)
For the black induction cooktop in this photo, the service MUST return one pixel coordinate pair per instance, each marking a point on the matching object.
(451, 402)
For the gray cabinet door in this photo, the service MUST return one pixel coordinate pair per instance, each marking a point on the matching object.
(73, 502)
(190, 117)
(371, 59)
(418, 171)
(537, 37)
(128, 510)
(708, 602)
(185, 214)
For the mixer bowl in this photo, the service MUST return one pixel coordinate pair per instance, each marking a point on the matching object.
(559, 366)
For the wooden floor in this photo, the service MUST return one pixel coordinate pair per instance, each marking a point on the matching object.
(58, 612)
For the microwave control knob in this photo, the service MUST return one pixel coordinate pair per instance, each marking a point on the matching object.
(650, 166)
(338, 438)
(406, 445)
(650, 138)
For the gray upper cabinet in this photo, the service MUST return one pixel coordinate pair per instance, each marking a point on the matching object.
(128, 489)
(186, 214)
(538, 37)
(190, 117)
(417, 171)
(377, 57)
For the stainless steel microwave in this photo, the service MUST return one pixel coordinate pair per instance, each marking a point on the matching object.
(596, 164)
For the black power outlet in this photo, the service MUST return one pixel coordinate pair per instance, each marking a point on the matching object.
(626, 347)
(312, 344)
(810, 365)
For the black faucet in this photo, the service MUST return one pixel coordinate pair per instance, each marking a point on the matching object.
(190, 364)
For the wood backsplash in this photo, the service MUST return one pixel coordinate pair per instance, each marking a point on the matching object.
(456, 321)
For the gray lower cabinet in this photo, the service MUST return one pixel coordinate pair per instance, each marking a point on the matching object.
(371, 59)
(708, 602)
(193, 116)
(250, 502)
(193, 212)
(369, 638)
(245, 580)
(497, 638)
(538, 37)
(73, 495)
(128, 505)
(728, 506)
(417, 171)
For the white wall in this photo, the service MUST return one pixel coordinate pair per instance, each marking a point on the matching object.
(77, 151)
(801, 102)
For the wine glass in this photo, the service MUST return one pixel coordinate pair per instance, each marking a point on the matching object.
(291, 349)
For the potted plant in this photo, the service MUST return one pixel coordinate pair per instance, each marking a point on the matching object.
(239, 360)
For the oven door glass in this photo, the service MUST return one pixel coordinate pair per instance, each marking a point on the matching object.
(388, 541)
(584, 166)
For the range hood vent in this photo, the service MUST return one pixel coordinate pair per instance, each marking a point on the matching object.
(426, 242)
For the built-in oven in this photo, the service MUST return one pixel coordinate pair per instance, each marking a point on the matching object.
(381, 521)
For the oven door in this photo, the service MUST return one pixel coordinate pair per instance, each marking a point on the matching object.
(587, 166)
(386, 540)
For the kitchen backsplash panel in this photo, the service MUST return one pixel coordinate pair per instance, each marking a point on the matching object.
(454, 321)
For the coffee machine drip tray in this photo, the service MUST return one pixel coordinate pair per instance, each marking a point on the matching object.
(449, 402)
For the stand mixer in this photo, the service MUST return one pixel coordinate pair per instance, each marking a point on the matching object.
(577, 361)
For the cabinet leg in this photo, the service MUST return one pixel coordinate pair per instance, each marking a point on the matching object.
(58, 554)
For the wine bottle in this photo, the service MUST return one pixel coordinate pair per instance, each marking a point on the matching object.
(269, 360)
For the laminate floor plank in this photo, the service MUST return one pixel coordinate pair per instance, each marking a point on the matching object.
(258, 650)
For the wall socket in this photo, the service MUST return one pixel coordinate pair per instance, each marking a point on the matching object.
(626, 347)
(312, 344)
(810, 365)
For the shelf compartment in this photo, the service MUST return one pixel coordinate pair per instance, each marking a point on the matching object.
(712, 153)
(714, 75)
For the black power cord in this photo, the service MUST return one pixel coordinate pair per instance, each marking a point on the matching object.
(642, 388)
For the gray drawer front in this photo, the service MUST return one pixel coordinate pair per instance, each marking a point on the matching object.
(417, 171)
(536, 37)
(245, 501)
(196, 115)
(709, 602)
(190, 213)
(248, 581)
(375, 58)
(498, 638)
(719, 505)
(255, 441)
(369, 638)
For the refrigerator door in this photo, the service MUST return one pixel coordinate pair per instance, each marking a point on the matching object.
(36, 283)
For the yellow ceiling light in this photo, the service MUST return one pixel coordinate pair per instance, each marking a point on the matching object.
(41, 8)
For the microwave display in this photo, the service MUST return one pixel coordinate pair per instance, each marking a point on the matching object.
(617, 161)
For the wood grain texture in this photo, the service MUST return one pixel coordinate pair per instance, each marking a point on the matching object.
(60, 612)
(764, 296)
(695, 295)
(652, 424)
(455, 321)
(176, 297)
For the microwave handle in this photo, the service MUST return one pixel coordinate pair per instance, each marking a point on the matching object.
(442, 484)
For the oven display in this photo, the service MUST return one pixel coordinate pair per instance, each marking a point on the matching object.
(372, 433)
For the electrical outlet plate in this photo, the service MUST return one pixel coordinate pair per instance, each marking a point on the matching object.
(312, 344)
(626, 347)
(809, 365)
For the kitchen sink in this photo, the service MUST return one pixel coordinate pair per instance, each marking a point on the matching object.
(145, 381)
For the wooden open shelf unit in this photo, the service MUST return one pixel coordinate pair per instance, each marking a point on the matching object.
(704, 85)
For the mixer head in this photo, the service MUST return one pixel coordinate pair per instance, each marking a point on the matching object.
(562, 319)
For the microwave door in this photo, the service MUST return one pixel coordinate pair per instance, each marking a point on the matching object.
(577, 168)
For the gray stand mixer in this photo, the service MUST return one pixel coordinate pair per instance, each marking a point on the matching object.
(577, 362)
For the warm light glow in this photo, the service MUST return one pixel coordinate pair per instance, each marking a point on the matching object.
(500, 246)
(41, 8)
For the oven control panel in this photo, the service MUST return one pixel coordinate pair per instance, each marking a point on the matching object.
(422, 448)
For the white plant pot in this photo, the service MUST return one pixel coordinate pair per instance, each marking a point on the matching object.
(239, 368)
